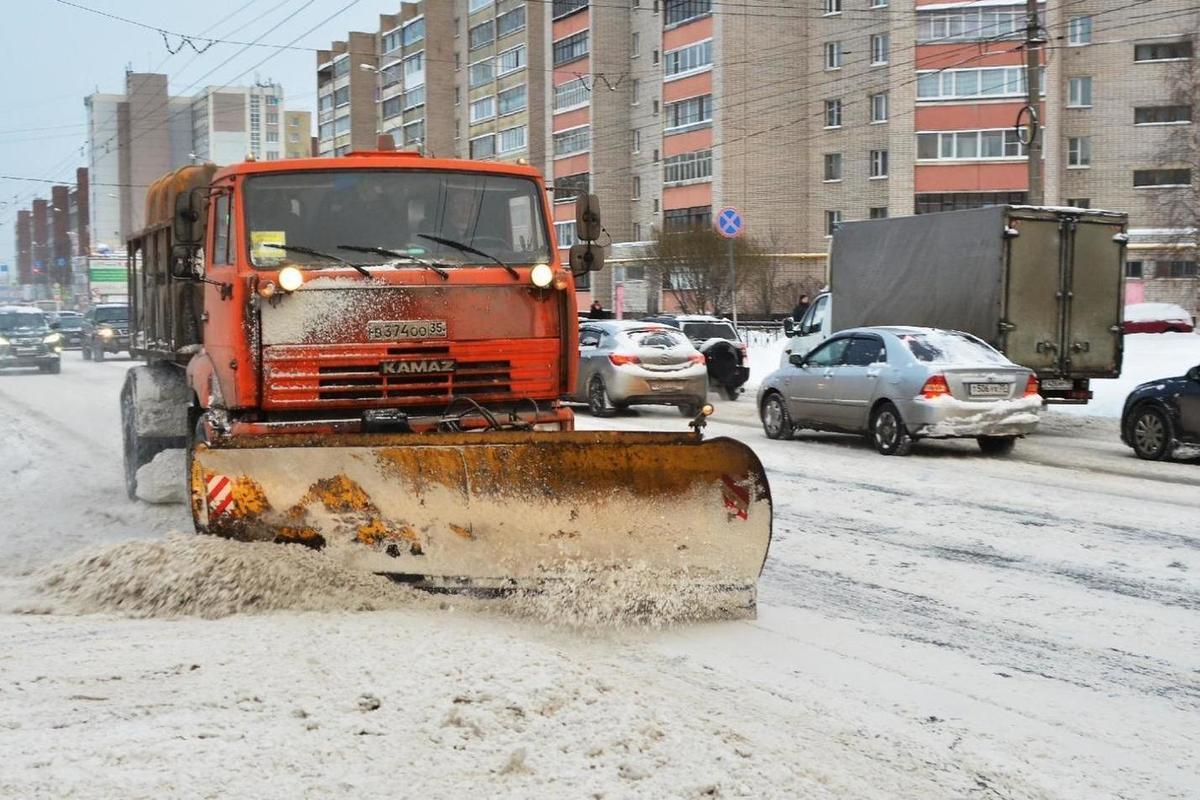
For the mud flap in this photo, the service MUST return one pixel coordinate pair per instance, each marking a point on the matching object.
(499, 509)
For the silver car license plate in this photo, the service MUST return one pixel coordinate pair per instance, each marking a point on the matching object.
(387, 330)
(988, 389)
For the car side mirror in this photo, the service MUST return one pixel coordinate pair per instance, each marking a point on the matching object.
(1193, 374)
(796, 360)
(789, 327)
(55, 326)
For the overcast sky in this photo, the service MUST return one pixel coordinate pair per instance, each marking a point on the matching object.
(57, 55)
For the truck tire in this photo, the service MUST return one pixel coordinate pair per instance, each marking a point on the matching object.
(888, 433)
(154, 411)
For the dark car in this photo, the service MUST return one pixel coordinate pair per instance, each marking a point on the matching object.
(724, 351)
(70, 325)
(105, 330)
(27, 340)
(1161, 415)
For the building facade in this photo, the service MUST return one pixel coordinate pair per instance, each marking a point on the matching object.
(230, 123)
(297, 134)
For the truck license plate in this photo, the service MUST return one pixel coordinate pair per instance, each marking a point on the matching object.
(383, 330)
(988, 389)
(1058, 384)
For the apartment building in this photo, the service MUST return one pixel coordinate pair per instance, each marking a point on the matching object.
(347, 76)
(297, 134)
(230, 123)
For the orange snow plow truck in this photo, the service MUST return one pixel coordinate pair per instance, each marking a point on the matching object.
(366, 355)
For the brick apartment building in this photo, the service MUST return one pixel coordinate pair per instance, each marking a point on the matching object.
(800, 115)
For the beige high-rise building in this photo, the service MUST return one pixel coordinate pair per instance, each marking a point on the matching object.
(297, 134)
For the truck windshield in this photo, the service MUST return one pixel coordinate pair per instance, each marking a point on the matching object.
(497, 214)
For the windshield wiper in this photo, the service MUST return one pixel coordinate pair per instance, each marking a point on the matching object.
(466, 248)
(308, 251)
(383, 251)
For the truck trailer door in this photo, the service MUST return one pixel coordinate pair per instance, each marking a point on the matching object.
(1032, 304)
(1092, 345)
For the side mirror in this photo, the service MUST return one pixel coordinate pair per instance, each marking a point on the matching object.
(586, 257)
(796, 360)
(188, 223)
(182, 266)
(789, 327)
(55, 326)
(1193, 374)
(587, 217)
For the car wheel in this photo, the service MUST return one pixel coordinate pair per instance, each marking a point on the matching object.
(776, 421)
(888, 433)
(689, 410)
(1151, 434)
(54, 367)
(98, 353)
(598, 402)
(996, 445)
(85, 351)
(731, 392)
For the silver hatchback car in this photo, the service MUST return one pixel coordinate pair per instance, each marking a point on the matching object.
(626, 362)
(899, 384)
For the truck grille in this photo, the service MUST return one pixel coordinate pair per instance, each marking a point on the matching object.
(332, 376)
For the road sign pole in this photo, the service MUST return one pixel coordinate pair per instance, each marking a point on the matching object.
(733, 277)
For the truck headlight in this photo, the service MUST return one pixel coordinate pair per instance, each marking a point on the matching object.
(105, 333)
(541, 275)
(290, 279)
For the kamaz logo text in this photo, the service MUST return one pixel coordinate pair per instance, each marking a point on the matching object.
(416, 367)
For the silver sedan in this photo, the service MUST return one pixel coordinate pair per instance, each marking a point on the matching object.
(626, 362)
(899, 384)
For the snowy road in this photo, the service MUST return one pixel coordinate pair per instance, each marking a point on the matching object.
(947, 625)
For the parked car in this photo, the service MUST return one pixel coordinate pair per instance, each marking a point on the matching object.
(901, 384)
(27, 340)
(1157, 318)
(724, 351)
(105, 330)
(70, 325)
(628, 362)
(1161, 415)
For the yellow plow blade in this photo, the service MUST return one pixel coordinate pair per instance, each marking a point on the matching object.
(499, 509)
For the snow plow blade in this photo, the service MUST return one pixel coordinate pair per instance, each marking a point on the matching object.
(497, 510)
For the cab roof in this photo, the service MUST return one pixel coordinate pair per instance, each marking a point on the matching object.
(376, 160)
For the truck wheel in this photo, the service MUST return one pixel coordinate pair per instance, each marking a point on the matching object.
(154, 405)
(888, 433)
(777, 422)
(54, 367)
(1151, 434)
(598, 402)
(996, 445)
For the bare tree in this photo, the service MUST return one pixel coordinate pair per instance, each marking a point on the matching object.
(695, 267)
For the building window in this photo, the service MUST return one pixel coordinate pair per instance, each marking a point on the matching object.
(576, 140)
(693, 111)
(392, 107)
(961, 201)
(833, 7)
(833, 55)
(677, 11)
(879, 3)
(833, 113)
(568, 187)
(414, 132)
(687, 167)
(565, 233)
(953, 84)
(480, 72)
(341, 97)
(969, 145)
(833, 166)
(635, 45)
(482, 35)
(1176, 269)
(880, 45)
(510, 60)
(1079, 92)
(635, 92)
(637, 232)
(1161, 115)
(477, 5)
(413, 32)
(1162, 177)
(879, 163)
(512, 139)
(511, 100)
(390, 42)
(414, 70)
(414, 97)
(570, 94)
(341, 66)
(970, 24)
(635, 141)
(483, 108)
(571, 48)
(1079, 202)
(1079, 151)
(1079, 31)
(1133, 269)
(391, 76)
(483, 146)
(879, 107)
(510, 22)
(832, 220)
(637, 188)
(683, 219)
(878, 212)
(688, 59)
(1162, 51)
(564, 8)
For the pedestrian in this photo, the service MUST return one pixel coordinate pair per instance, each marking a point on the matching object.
(597, 311)
(801, 306)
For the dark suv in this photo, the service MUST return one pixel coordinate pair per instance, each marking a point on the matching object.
(105, 330)
(1161, 415)
(724, 351)
(27, 340)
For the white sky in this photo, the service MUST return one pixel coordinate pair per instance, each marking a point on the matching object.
(57, 55)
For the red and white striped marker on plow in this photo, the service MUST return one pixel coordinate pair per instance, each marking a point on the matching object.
(220, 494)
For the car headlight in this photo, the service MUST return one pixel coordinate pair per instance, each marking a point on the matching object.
(105, 333)
(51, 338)
(541, 275)
(3, 342)
(290, 279)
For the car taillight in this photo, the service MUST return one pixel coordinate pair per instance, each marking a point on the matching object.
(935, 386)
(1031, 386)
(696, 358)
(742, 346)
(618, 360)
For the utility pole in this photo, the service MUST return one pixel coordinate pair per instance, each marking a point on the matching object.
(1033, 74)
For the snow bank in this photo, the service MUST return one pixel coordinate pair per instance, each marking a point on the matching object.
(164, 479)
(1152, 312)
(765, 351)
(1148, 357)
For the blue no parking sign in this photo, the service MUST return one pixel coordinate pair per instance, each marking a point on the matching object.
(730, 223)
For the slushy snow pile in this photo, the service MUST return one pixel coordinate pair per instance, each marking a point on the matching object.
(164, 479)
